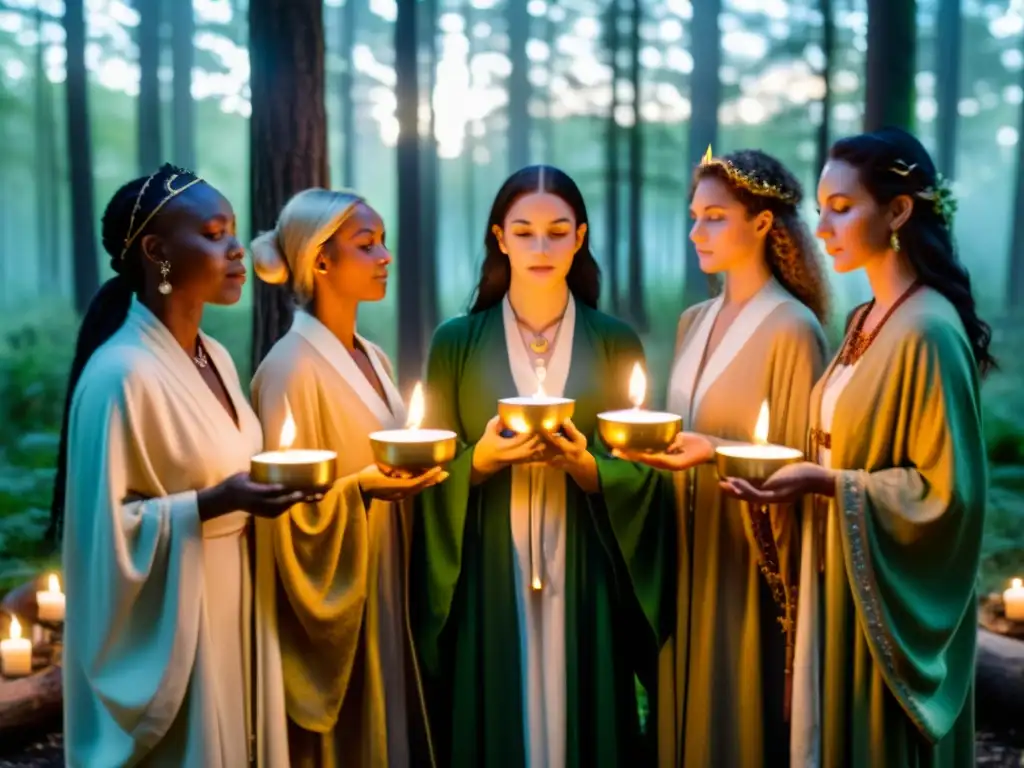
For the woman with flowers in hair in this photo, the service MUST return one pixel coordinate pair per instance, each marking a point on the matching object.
(885, 672)
(332, 575)
(153, 495)
(723, 689)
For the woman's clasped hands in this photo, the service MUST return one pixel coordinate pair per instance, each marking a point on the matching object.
(565, 449)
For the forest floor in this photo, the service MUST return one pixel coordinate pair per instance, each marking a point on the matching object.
(48, 752)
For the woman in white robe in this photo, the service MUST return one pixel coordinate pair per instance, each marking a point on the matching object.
(759, 342)
(152, 494)
(332, 576)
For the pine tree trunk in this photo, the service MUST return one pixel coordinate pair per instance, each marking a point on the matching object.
(83, 219)
(287, 134)
(637, 311)
(48, 261)
(429, 214)
(1015, 283)
(891, 64)
(517, 20)
(346, 94)
(828, 44)
(147, 37)
(611, 158)
(705, 95)
(183, 53)
(410, 231)
(947, 67)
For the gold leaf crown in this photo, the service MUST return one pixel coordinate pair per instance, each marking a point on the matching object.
(748, 181)
(940, 194)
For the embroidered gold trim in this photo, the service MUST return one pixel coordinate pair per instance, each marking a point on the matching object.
(861, 577)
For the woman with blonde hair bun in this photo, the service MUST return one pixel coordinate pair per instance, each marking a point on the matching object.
(332, 575)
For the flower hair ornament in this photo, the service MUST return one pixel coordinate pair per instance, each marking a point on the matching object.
(748, 181)
(940, 194)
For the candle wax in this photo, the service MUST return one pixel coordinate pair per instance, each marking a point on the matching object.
(639, 416)
(413, 435)
(760, 452)
(536, 400)
(1013, 601)
(294, 457)
(15, 655)
(51, 606)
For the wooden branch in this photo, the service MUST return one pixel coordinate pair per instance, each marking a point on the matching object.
(30, 702)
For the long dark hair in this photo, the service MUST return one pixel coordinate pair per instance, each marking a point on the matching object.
(760, 182)
(130, 206)
(892, 162)
(584, 276)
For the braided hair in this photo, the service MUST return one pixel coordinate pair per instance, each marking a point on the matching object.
(891, 162)
(127, 216)
(760, 182)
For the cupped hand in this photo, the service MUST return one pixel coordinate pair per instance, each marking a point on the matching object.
(688, 449)
(563, 449)
(785, 486)
(494, 452)
(240, 493)
(395, 486)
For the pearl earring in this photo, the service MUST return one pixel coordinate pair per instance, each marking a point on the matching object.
(165, 285)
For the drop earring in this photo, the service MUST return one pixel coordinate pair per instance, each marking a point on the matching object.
(894, 241)
(165, 285)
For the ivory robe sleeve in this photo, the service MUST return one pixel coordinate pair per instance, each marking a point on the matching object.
(911, 535)
(321, 553)
(442, 509)
(639, 503)
(133, 571)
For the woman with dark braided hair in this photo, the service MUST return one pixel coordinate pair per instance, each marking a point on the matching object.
(900, 471)
(744, 367)
(152, 493)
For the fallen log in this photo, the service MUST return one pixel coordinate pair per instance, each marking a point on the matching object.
(28, 703)
(999, 667)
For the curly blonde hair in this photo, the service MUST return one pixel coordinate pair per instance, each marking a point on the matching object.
(791, 250)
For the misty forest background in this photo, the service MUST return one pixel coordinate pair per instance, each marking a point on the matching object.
(425, 106)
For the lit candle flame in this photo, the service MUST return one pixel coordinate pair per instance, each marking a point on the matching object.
(287, 429)
(54, 585)
(417, 408)
(1016, 583)
(761, 430)
(637, 386)
(15, 628)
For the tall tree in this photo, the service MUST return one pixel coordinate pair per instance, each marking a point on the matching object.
(410, 294)
(705, 95)
(828, 45)
(613, 42)
(431, 179)
(517, 22)
(346, 93)
(891, 64)
(147, 39)
(1015, 283)
(947, 68)
(550, 30)
(47, 195)
(83, 224)
(636, 177)
(183, 54)
(287, 133)
(469, 152)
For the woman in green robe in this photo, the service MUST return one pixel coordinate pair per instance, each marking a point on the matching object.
(885, 657)
(534, 605)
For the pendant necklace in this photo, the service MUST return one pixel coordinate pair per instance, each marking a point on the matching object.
(539, 344)
(200, 358)
(857, 342)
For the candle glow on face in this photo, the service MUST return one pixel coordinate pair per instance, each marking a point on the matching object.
(1013, 601)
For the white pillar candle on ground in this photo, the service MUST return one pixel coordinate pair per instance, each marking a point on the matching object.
(51, 601)
(1013, 601)
(15, 653)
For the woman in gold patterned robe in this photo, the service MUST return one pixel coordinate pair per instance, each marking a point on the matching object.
(900, 468)
(722, 681)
